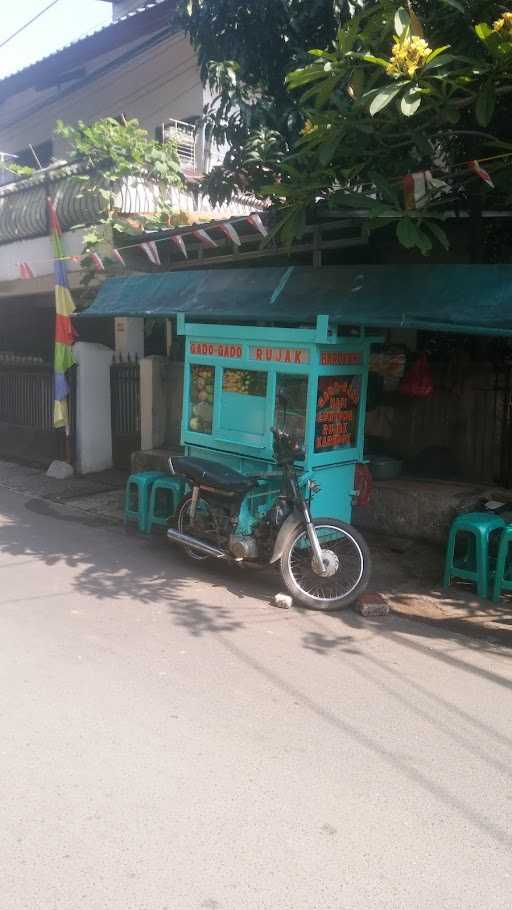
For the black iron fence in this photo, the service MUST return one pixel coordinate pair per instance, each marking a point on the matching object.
(125, 409)
(26, 396)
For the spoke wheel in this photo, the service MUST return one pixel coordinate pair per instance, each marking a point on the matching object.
(204, 526)
(346, 566)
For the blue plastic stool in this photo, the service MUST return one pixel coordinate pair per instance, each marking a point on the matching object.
(502, 574)
(139, 485)
(174, 488)
(474, 566)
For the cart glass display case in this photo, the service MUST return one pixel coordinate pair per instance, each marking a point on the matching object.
(242, 380)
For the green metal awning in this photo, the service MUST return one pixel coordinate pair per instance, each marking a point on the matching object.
(448, 298)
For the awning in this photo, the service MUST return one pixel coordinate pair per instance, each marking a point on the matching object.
(448, 298)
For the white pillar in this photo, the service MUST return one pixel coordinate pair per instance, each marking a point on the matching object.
(129, 333)
(93, 427)
(153, 401)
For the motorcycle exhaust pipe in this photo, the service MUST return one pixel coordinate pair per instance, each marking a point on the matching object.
(196, 544)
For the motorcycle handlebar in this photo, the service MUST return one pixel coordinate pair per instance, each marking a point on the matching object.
(281, 436)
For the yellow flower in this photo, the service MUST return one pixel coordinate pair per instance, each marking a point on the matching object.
(504, 26)
(408, 55)
(308, 128)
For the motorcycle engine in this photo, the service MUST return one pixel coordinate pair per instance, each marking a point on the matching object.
(243, 547)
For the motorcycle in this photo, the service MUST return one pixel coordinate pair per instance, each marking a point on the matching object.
(324, 563)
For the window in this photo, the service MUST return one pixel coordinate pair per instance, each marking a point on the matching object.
(202, 391)
(245, 382)
(337, 412)
(291, 404)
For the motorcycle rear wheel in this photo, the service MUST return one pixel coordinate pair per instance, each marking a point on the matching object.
(346, 559)
(203, 525)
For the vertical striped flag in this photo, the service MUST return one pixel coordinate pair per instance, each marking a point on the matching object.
(64, 331)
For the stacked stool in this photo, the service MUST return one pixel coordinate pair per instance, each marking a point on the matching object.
(142, 502)
(474, 565)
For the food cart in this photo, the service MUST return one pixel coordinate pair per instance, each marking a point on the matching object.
(241, 380)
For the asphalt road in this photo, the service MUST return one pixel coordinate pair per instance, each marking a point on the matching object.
(169, 740)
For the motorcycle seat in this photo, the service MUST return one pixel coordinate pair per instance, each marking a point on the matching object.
(205, 473)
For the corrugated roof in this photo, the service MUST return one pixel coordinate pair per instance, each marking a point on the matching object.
(107, 38)
(447, 298)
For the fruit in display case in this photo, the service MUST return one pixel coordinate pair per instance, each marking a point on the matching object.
(245, 382)
(201, 399)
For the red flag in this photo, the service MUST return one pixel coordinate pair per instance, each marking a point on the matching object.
(484, 175)
(25, 271)
(230, 233)
(205, 238)
(117, 256)
(151, 250)
(180, 243)
(256, 222)
(55, 227)
(97, 262)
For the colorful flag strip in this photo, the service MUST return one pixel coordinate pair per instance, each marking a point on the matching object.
(64, 331)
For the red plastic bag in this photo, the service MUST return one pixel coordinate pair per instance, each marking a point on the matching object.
(417, 382)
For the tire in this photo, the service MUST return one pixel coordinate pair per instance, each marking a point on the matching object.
(182, 524)
(313, 590)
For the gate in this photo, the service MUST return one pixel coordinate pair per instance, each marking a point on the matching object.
(26, 412)
(125, 410)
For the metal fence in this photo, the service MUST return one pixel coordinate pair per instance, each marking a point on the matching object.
(125, 410)
(26, 396)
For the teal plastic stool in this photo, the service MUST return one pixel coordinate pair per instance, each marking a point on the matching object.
(502, 574)
(139, 486)
(173, 489)
(474, 565)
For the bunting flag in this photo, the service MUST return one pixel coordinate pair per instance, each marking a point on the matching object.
(408, 187)
(417, 186)
(484, 175)
(117, 256)
(97, 262)
(151, 250)
(64, 331)
(180, 243)
(204, 238)
(230, 233)
(256, 222)
(25, 271)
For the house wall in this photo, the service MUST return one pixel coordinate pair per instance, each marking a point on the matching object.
(159, 83)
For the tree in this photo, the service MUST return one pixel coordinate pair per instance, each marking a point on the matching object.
(424, 90)
(245, 49)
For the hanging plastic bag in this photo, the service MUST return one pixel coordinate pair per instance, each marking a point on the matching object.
(417, 382)
(363, 483)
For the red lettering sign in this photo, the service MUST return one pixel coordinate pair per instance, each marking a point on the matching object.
(207, 349)
(339, 358)
(297, 356)
(337, 412)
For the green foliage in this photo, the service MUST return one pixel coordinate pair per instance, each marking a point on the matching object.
(245, 49)
(110, 152)
(427, 86)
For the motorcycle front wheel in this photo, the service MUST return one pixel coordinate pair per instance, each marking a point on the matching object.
(346, 559)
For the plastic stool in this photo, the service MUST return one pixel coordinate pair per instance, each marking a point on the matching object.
(174, 487)
(480, 526)
(141, 485)
(502, 578)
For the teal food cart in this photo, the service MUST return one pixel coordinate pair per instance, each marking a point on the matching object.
(240, 380)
